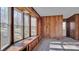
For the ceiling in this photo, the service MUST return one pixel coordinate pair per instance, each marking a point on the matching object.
(50, 11)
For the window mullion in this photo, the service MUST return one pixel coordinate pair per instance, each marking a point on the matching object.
(0, 28)
(23, 25)
(12, 25)
(29, 26)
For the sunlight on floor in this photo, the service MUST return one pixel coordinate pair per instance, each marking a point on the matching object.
(65, 44)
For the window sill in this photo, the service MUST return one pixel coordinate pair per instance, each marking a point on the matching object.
(21, 45)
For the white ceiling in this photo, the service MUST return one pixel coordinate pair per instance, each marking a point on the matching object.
(50, 11)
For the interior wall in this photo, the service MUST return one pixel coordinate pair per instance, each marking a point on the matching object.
(73, 26)
(67, 28)
(52, 26)
(77, 27)
(39, 27)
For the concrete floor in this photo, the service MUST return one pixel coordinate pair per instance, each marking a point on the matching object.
(65, 44)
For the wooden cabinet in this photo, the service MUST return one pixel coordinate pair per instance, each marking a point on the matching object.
(32, 44)
(24, 45)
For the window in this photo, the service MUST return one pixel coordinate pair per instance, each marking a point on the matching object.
(33, 26)
(18, 25)
(64, 28)
(26, 25)
(5, 26)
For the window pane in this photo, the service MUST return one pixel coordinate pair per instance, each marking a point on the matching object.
(26, 26)
(5, 27)
(18, 25)
(33, 26)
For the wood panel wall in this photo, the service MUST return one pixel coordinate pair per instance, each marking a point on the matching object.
(70, 26)
(67, 28)
(52, 26)
(39, 27)
(77, 27)
(73, 26)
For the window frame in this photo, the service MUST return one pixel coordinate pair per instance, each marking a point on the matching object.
(0, 29)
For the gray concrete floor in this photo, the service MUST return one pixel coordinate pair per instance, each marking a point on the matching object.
(64, 44)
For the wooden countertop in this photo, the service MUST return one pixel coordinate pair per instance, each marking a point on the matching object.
(19, 46)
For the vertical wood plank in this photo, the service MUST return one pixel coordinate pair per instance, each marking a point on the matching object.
(52, 26)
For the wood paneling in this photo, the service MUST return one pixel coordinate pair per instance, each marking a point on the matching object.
(67, 29)
(39, 27)
(77, 27)
(73, 26)
(52, 26)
